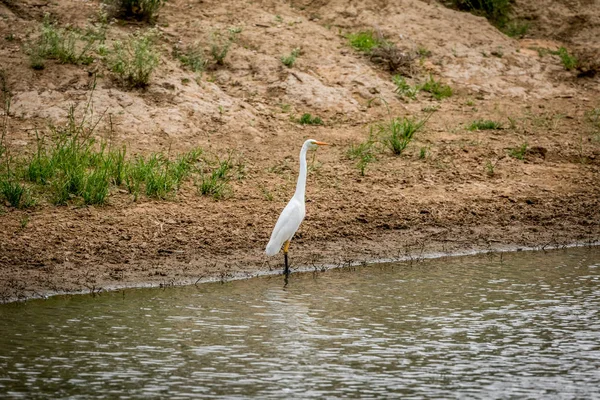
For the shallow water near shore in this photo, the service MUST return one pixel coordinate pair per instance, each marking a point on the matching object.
(494, 326)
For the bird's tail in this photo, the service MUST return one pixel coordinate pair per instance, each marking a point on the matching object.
(272, 248)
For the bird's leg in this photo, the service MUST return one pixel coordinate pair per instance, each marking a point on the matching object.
(286, 246)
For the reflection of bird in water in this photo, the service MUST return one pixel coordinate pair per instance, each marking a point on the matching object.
(291, 324)
(292, 215)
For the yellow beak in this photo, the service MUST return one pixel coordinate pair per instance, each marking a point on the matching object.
(322, 143)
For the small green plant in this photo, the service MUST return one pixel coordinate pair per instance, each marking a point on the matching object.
(519, 152)
(437, 89)
(116, 165)
(289, 60)
(403, 89)
(490, 167)
(135, 59)
(423, 52)
(568, 61)
(422, 153)
(142, 10)
(193, 58)
(397, 133)
(161, 176)
(307, 119)
(516, 28)
(13, 191)
(484, 124)
(95, 186)
(24, 221)
(66, 46)
(364, 153)
(220, 44)
(267, 195)
(215, 183)
(364, 41)
(36, 59)
(135, 174)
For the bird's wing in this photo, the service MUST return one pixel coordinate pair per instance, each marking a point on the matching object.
(288, 223)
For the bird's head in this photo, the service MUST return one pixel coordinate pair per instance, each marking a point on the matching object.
(313, 144)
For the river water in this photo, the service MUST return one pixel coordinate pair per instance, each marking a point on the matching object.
(520, 325)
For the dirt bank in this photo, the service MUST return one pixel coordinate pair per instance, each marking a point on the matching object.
(452, 189)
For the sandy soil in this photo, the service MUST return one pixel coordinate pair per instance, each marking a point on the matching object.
(407, 205)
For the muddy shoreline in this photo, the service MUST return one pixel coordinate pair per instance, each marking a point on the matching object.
(167, 271)
(320, 267)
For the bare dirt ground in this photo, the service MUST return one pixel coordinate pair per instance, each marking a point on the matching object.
(446, 201)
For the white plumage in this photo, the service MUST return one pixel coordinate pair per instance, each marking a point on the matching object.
(292, 215)
(287, 224)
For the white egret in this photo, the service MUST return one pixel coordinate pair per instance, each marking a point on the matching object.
(292, 215)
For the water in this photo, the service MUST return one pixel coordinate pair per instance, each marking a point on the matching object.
(524, 326)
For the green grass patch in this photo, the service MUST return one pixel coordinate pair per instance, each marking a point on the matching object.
(157, 175)
(215, 182)
(193, 58)
(518, 152)
(135, 59)
(490, 167)
(71, 163)
(568, 61)
(69, 166)
(484, 124)
(290, 59)
(14, 192)
(382, 51)
(365, 41)
(67, 46)
(437, 89)
(516, 28)
(221, 43)
(307, 119)
(397, 133)
(423, 52)
(404, 89)
(77, 169)
(364, 153)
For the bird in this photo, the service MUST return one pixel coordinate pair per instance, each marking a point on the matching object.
(292, 215)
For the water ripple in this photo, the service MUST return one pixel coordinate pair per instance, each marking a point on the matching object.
(524, 325)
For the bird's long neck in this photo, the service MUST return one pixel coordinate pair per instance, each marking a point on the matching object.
(301, 184)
